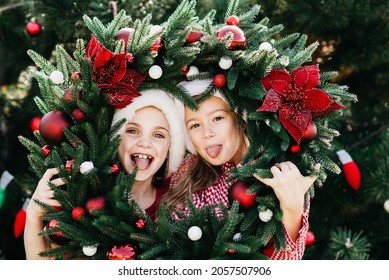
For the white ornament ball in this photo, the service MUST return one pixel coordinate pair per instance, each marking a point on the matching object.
(225, 62)
(237, 237)
(265, 46)
(89, 250)
(155, 29)
(266, 215)
(386, 205)
(86, 167)
(193, 70)
(155, 72)
(195, 233)
(57, 77)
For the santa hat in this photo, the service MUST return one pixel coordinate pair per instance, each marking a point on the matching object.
(160, 100)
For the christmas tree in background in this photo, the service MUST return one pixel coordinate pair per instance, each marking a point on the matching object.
(340, 218)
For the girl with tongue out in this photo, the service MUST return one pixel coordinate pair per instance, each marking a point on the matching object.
(218, 143)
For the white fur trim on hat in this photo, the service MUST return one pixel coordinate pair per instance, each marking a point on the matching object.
(193, 88)
(162, 101)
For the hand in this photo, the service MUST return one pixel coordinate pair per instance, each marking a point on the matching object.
(289, 185)
(44, 193)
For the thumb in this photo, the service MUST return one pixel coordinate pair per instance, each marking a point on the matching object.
(312, 178)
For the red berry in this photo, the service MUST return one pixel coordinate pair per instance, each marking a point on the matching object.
(294, 149)
(78, 115)
(219, 80)
(194, 36)
(78, 212)
(232, 20)
(46, 150)
(33, 28)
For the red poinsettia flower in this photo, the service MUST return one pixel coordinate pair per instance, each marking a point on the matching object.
(120, 94)
(109, 67)
(296, 99)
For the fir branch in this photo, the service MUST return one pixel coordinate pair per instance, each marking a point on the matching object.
(302, 56)
(232, 9)
(41, 62)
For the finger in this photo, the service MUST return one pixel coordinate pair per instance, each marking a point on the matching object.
(317, 166)
(50, 173)
(58, 182)
(266, 181)
(291, 165)
(283, 166)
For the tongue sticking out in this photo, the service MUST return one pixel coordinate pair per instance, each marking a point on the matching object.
(214, 151)
(142, 163)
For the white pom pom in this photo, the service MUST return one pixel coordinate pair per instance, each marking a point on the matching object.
(155, 29)
(155, 72)
(193, 70)
(56, 77)
(86, 167)
(265, 46)
(195, 233)
(225, 62)
(89, 250)
(266, 215)
(237, 237)
(386, 205)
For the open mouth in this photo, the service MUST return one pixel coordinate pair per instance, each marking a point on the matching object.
(214, 150)
(142, 161)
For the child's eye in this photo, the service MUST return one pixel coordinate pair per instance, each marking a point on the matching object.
(196, 125)
(132, 131)
(159, 135)
(216, 119)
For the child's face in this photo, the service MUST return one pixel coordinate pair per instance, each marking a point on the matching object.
(214, 132)
(145, 143)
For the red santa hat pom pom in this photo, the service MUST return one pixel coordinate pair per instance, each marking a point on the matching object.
(350, 169)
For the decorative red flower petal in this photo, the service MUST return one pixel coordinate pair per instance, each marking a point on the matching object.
(306, 77)
(108, 67)
(134, 78)
(281, 87)
(317, 100)
(333, 106)
(119, 94)
(93, 48)
(282, 75)
(295, 122)
(271, 103)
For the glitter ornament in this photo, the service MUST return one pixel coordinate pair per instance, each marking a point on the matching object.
(155, 72)
(225, 63)
(265, 216)
(195, 233)
(57, 77)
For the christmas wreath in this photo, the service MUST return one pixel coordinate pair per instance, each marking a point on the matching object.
(269, 78)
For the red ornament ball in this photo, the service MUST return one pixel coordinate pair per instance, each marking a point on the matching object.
(78, 115)
(194, 36)
(310, 133)
(51, 127)
(238, 191)
(140, 224)
(122, 252)
(95, 203)
(232, 20)
(238, 41)
(124, 34)
(78, 212)
(220, 80)
(68, 95)
(34, 123)
(294, 149)
(46, 150)
(33, 28)
(310, 238)
(57, 237)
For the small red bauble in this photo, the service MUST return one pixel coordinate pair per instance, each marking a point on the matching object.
(51, 126)
(68, 96)
(194, 36)
(220, 80)
(78, 212)
(46, 150)
(69, 165)
(75, 76)
(156, 46)
(78, 115)
(310, 133)
(294, 149)
(122, 252)
(114, 168)
(238, 191)
(124, 34)
(34, 123)
(57, 237)
(230, 251)
(238, 41)
(140, 224)
(33, 28)
(310, 239)
(232, 20)
(96, 203)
